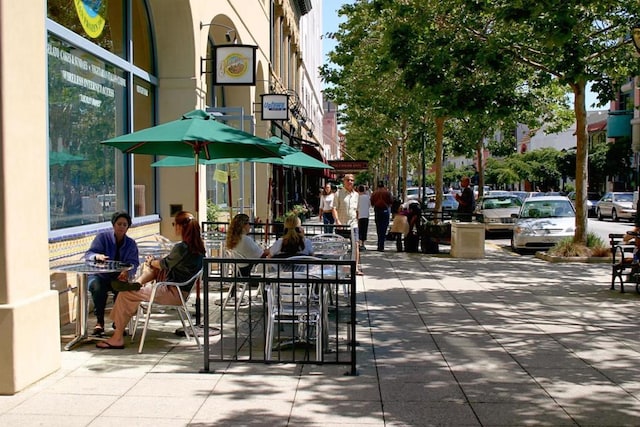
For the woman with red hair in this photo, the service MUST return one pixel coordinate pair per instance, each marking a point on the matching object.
(182, 263)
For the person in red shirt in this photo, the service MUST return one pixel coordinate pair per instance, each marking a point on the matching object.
(381, 201)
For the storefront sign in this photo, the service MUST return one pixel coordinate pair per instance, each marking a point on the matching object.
(349, 165)
(235, 65)
(90, 15)
(275, 106)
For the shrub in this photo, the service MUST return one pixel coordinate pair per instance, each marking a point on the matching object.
(595, 247)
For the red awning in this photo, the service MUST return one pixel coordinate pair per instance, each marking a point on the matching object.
(313, 152)
(597, 126)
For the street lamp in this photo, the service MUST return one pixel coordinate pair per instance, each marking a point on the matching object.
(635, 36)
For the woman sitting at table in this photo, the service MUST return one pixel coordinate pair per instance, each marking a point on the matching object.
(241, 244)
(184, 260)
(113, 245)
(293, 242)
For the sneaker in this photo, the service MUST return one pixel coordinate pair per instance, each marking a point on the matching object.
(120, 286)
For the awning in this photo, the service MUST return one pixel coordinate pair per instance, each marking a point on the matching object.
(313, 152)
(597, 126)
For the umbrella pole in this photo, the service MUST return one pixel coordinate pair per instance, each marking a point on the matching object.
(230, 196)
(266, 231)
(197, 187)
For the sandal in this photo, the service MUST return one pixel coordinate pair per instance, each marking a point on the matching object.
(98, 331)
(106, 346)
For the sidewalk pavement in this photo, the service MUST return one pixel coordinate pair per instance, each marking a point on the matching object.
(505, 340)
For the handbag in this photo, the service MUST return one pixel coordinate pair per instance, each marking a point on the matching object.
(411, 242)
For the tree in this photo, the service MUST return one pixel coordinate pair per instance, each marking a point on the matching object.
(575, 41)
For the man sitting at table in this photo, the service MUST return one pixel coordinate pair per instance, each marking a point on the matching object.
(113, 245)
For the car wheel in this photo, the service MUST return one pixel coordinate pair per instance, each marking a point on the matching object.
(614, 215)
(513, 247)
(599, 214)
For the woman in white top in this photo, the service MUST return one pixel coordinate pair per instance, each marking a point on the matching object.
(364, 204)
(293, 242)
(243, 245)
(326, 207)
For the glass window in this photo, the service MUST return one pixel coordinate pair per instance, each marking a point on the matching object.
(143, 173)
(142, 41)
(100, 21)
(87, 104)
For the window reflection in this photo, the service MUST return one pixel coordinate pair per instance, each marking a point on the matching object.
(100, 21)
(86, 105)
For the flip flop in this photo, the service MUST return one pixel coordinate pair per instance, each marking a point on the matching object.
(106, 346)
(359, 273)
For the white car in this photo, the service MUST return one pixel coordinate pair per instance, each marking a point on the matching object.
(415, 193)
(616, 205)
(542, 222)
(497, 212)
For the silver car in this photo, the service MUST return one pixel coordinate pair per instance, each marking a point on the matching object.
(497, 212)
(542, 222)
(616, 205)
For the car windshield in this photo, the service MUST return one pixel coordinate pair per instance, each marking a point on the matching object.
(623, 197)
(501, 203)
(547, 209)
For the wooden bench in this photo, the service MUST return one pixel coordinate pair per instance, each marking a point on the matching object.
(622, 262)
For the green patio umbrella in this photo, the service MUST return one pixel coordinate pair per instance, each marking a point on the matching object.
(61, 158)
(289, 156)
(196, 135)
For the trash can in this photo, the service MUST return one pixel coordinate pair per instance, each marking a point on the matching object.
(467, 239)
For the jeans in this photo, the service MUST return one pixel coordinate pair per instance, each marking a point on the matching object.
(327, 218)
(99, 286)
(382, 224)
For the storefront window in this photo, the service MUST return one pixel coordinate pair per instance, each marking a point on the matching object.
(144, 182)
(91, 100)
(87, 104)
(100, 21)
(142, 47)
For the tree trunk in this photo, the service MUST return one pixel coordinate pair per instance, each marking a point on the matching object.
(582, 156)
(480, 166)
(438, 163)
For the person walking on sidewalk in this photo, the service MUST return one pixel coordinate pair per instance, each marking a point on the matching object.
(364, 204)
(381, 200)
(345, 210)
(326, 208)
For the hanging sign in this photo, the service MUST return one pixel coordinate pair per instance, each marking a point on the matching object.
(275, 106)
(220, 176)
(235, 65)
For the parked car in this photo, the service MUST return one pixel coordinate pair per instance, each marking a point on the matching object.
(497, 212)
(616, 205)
(592, 201)
(415, 193)
(449, 203)
(542, 222)
(521, 194)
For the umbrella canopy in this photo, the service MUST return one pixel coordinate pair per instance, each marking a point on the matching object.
(62, 158)
(195, 135)
(290, 157)
(197, 132)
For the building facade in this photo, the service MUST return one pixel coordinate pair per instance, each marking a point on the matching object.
(74, 74)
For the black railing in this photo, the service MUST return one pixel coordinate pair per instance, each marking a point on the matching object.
(287, 311)
(262, 232)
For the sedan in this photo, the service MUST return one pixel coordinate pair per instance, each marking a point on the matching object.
(449, 202)
(592, 201)
(497, 212)
(542, 222)
(616, 205)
